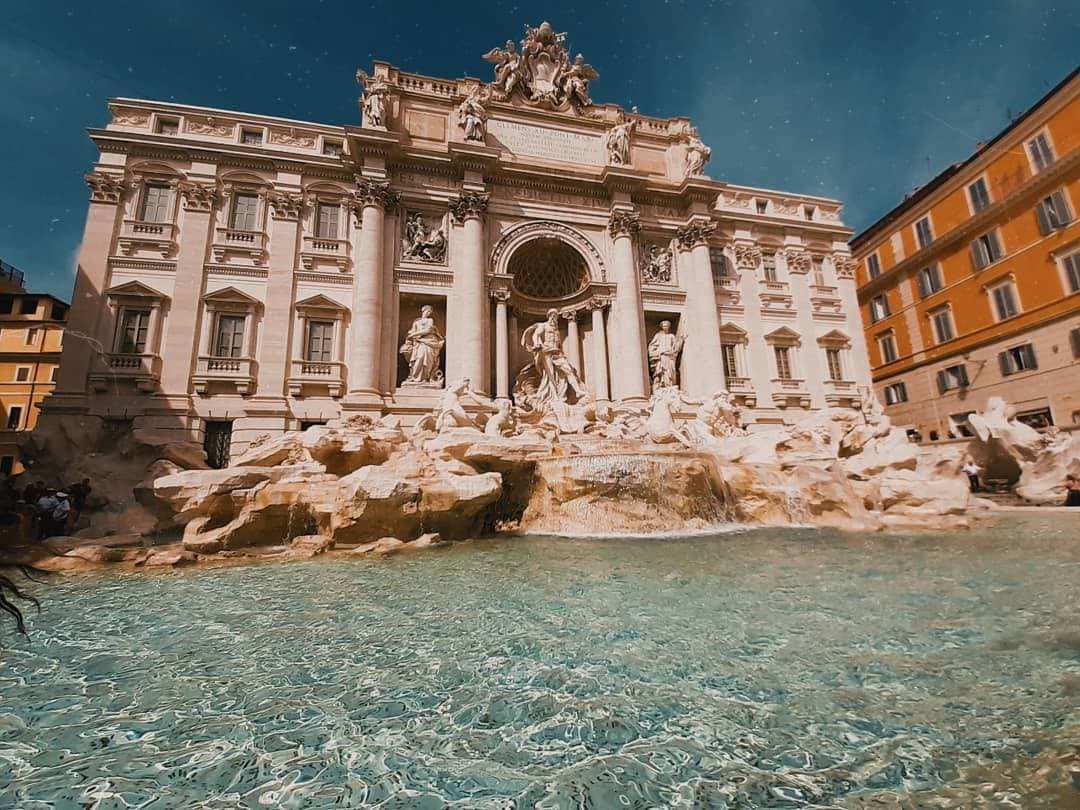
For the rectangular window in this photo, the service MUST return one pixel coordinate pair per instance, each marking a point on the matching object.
(7, 464)
(979, 195)
(28, 305)
(879, 307)
(809, 211)
(1074, 339)
(873, 265)
(960, 426)
(155, 203)
(895, 393)
(133, 330)
(835, 364)
(1041, 153)
(952, 377)
(943, 325)
(985, 250)
(22, 374)
(6, 304)
(897, 241)
(54, 373)
(245, 212)
(887, 347)
(819, 271)
(14, 419)
(768, 266)
(331, 148)
(251, 137)
(168, 126)
(719, 263)
(1072, 272)
(783, 362)
(320, 343)
(1052, 212)
(1018, 358)
(230, 336)
(762, 206)
(923, 234)
(1004, 297)
(930, 280)
(32, 336)
(731, 364)
(326, 220)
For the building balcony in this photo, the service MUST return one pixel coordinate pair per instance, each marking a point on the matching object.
(316, 250)
(742, 391)
(232, 242)
(142, 369)
(790, 393)
(157, 237)
(841, 393)
(311, 374)
(235, 372)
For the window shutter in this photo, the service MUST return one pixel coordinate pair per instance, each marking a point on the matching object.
(1005, 361)
(976, 255)
(1042, 218)
(1029, 356)
(924, 284)
(1074, 335)
(1061, 205)
(963, 375)
(942, 382)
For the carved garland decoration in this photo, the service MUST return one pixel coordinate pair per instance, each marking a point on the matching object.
(695, 234)
(198, 197)
(470, 204)
(623, 223)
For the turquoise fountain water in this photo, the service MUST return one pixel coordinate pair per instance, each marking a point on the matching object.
(754, 669)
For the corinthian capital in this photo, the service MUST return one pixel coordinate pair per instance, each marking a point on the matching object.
(374, 192)
(623, 223)
(747, 256)
(197, 196)
(694, 234)
(285, 205)
(844, 264)
(470, 204)
(798, 261)
(105, 187)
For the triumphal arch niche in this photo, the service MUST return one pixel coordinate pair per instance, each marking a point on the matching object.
(267, 273)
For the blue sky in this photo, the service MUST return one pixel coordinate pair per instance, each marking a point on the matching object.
(861, 100)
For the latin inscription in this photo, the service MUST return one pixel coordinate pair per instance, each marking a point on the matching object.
(546, 142)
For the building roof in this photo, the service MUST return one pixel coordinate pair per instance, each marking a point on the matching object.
(925, 191)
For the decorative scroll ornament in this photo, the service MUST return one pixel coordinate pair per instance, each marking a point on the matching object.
(798, 261)
(210, 126)
(541, 72)
(844, 264)
(421, 243)
(695, 234)
(472, 116)
(747, 257)
(624, 223)
(656, 264)
(374, 192)
(197, 196)
(285, 205)
(106, 188)
(470, 204)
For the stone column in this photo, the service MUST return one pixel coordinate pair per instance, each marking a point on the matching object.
(811, 357)
(573, 342)
(844, 267)
(502, 346)
(471, 302)
(276, 352)
(372, 197)
(627, 319)
(599, 381)
(703, 327)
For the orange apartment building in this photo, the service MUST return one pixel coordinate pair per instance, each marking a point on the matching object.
(31, 336)
(970, 288)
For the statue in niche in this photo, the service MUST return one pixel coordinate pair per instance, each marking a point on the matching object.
(509, 69)
(664, 351)
(697, 155)
(656, 264)
(422, 347)
(550, 376)
(421, 243)
(374, 101)
(573, 79)
(472, 117)
(617, 142)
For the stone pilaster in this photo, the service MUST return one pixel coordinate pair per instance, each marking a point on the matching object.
(370, 201)
(626, 321)
(469, 314)
(844, 268)
(502, 345)
(598, 382)
(286, 209)
(706, 372)
(811, 362)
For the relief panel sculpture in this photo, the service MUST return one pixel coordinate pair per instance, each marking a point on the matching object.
(423, 242)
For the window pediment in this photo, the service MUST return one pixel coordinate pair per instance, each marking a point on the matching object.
(136, 289)
(232, 298)
(733, 333)
(320, 305)
(784, 336)
(834, 339)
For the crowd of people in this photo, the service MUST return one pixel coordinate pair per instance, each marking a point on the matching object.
(39, 511)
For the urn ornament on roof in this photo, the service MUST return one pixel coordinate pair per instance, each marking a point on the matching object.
(541, 72)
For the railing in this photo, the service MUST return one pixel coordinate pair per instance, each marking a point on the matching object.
(727, 282)
(12, 274)
(122, 362)
(243, 238)
(840, 385)
(225, 367)
(739, 384)
(824, 291)
(317, 373)
(776, 286)
(789, 384)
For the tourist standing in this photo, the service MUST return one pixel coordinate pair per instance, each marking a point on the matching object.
(46, 505)
(971, 470)
(60, 514)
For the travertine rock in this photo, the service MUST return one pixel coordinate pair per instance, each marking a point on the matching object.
(894, 451)
(310, 545)
(172, 556)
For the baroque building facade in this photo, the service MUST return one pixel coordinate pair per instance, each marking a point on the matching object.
(970, 288)
(245, 274)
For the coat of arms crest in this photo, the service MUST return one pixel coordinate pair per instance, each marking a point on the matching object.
(542, 71)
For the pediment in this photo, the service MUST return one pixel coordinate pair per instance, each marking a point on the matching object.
(231, 295)
(834, 337)
(135, 289)
(784, 334)
(733, 330)
(319, 302)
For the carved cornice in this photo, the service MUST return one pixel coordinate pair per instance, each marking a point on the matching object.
(695, 234)
(623, 223)
(286, 205)
(106, 188)
(198, 196)
(470, 204)
(374, 192)
(747, 256)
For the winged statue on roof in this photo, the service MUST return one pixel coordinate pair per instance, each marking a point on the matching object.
(541, 71)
